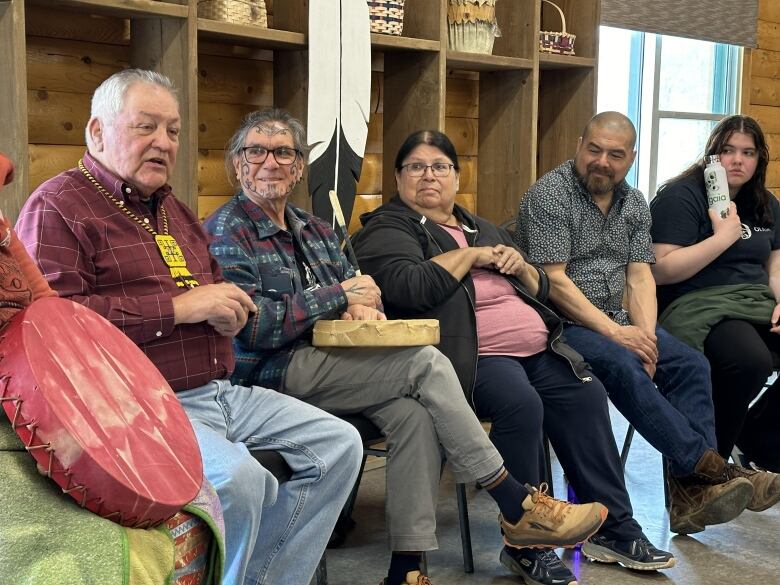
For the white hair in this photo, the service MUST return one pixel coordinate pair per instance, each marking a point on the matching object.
(109, 98)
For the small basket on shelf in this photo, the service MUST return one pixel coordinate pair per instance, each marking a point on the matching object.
(251, 12)
(562, 42)
(386, 16)
(472, 25)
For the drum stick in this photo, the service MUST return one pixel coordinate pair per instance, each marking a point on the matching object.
(341, 228)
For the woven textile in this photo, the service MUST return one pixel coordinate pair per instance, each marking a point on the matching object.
(722, 21)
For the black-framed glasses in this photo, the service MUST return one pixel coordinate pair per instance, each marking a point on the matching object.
(438, 169)
(284, 155)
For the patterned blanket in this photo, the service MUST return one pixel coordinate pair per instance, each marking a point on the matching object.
(46, 538)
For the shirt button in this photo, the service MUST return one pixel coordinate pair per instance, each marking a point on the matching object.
(159, 334)
(128, 190)
(146, 220)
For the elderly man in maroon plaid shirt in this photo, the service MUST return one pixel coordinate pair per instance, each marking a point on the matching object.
(111, 235)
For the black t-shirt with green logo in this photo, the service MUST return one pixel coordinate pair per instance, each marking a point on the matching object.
(680, 217)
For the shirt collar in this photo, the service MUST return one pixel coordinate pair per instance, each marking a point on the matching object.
(116, 186)
(265, 227)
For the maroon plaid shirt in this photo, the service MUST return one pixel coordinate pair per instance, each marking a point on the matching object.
(94, 254)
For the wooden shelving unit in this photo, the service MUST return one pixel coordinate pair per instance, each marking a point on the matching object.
(525, 109)
(567, 84)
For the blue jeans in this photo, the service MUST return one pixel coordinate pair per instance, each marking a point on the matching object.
(673, 411)
(273, 533)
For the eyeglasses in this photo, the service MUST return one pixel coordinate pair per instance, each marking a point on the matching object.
(438, 169)
(283, 155)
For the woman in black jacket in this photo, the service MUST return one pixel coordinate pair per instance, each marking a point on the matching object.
(432, 259)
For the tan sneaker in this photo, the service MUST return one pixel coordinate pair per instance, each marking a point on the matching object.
(550, 523)
(413, 578)
(707, 496)
(766, 486)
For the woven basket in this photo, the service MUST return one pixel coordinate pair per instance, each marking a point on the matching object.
(251, 12)
(557, 42)
(472, 26)
(386, 16)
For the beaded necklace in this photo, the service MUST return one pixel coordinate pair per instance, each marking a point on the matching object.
(167, 245)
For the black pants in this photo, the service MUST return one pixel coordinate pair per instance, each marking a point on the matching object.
(741, 359)
(523, 396)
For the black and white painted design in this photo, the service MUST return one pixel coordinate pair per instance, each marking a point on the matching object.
(339, 97)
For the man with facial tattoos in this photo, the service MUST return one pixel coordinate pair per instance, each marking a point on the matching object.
(291, 265)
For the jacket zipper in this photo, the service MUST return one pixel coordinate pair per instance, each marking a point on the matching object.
(556, 336)
(474, 312)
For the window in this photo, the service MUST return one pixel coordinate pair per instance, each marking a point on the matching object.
(673, 89)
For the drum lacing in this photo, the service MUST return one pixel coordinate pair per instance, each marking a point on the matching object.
(29, 446)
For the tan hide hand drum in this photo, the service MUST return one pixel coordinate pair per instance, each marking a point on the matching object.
(392, 333)
(96, 415)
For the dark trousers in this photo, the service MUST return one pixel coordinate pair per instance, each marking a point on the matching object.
(741, 360)
(523, 396)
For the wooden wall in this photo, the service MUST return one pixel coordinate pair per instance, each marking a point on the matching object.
(761, 84)
(69, 54)
(67, 58)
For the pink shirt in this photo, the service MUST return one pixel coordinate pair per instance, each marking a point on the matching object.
(506, 324)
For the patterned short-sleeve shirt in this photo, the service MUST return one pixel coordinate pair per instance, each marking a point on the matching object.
(558, 221)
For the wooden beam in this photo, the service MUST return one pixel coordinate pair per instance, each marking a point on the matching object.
(123, 8)
(414, 100)
(235, 81)
(773, 175)
(765, 91)
(773, 141)
(52, 23)
(766, 116)
(57, 117)
(168, 45)
(507, 135)
(13, 113)
(768, 35)
(769, 10)
(49, 160)
(765, 63)
(72, 66)
(463, 132)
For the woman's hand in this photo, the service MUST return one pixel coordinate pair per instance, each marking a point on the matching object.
(775, 318)
(509, 260)
(484, 256)
(728, 228)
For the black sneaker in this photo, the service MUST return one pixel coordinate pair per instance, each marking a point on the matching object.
(537, 566)
(639, 554)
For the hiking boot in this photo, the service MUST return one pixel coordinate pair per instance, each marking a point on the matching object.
(537, 566)
(639, 554)
(413, 578)
(550, 523)
(707, 496)
(766, 486)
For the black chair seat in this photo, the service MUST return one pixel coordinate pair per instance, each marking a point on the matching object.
(274, 463)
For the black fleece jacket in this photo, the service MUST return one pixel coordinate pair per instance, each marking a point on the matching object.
(395, 247)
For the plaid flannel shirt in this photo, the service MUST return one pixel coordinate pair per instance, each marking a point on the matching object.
(93, 254)
(258, 256)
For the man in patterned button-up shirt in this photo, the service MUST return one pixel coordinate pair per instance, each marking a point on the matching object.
(592, 233)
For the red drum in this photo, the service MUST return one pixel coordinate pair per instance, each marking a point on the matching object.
(96, 415)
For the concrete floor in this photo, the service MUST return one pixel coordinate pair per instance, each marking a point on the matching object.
(746, 550)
